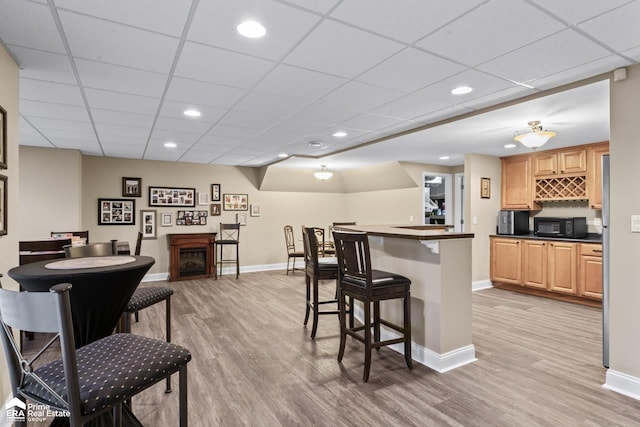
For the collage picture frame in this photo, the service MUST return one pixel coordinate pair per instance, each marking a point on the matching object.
(116, 212)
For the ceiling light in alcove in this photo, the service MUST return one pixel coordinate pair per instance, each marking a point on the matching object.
(461, 90)
(283, 155)
(170, 144)
(340, 134)
(444, 157)
(251, 29)
(510, 146)
(192, 113)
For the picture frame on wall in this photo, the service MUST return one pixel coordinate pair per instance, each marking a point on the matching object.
(203, 199)
(241, 218)
(116, 212)
(235, 202)
(131, 187)
(485, 188)
(3, 138)
(148, 224)
(215, 192)
(172, 196)
(255, 210)
(3, 205)
(216, 209)
(166, 219)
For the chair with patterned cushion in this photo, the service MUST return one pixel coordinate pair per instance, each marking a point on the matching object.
(93, 380)
(358, 280)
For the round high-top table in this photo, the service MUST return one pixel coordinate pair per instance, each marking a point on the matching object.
(101, 288)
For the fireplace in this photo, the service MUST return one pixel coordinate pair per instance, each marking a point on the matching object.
(191, 256)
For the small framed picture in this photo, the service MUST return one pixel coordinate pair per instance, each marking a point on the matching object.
(215, 192)
(485, 188)
(216, 209)
(131, 187)
(3, 138)
(255, 210)
(203, 199)
(148, 225)
(3, 205)
(241, 218)
(236, 202)
(166, 219)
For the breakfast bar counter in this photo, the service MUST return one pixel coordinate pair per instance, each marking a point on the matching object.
(438, 263)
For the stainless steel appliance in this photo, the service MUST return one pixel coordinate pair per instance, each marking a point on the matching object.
(513, 222)
(606, 227)
(571, 227)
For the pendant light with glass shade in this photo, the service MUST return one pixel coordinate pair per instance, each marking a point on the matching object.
(323, 174)
(537, 137)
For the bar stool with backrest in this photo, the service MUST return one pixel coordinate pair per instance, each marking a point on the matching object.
(83, 380)
(289, 240)
(229, 236)
(358, 280)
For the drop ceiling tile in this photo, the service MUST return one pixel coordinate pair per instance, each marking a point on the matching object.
(410, 70)
(163, 16)
(619, 28)
(38, 90)
(123, 141)
(297, 127)
(491, 30)
(122, 118)
(577, 11)
(182, 125)
(215, 24)
(123, 150)
(31, 109)
(633, 53)
(195, 156)
(99, 75)
(183, 139)
(295, 82)
(85, 147)
(210, 64)
(274, 138)
(256, 102)
(29, 136)
(344, 51)
(71, 135)
(481, 83)
(324, 114)
(321, 6)
(409, 107)
(230, 159)
(150, 51)
(370, 122)
(405, 20)
(359, 96)
(234, 132)
(442, 114)
(41, 33)
(176, 109)
(201, 93)
(115, 101)
(105, 129)
(162, 153)
(497, 97)
(216, 142)
(245, 119)
(551, 55)
(38, 65)
(45, 125)
(327, 137)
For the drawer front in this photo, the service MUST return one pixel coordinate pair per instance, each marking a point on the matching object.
(591, 249)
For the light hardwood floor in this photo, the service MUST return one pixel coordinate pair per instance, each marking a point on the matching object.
(539, 364)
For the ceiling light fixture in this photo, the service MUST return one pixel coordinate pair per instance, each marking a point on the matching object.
(340, 134)
(444, 157)
(315, 144)
(192, 113)
(461, 90)
(170, 144)
(537, 137)
(283, 155)
(323, 174)
(510, 145)
(251, 29)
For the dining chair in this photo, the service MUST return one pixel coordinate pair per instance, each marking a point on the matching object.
(229, 236)
(93, 249)
(93, 379)
(358, 280)
(292, 254)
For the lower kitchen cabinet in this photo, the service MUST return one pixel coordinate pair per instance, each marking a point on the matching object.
(506, 260)
(563, 265)
(590, 268)
(534, 263)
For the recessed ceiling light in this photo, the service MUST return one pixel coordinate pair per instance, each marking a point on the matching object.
(170, 144)
(283, 155)
(461, 90)
(315, 144)
(444, 157)
(510, 146)
(192, 113)
(340, 134)
(251, 29)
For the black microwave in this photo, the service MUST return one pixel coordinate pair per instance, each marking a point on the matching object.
(571, 228)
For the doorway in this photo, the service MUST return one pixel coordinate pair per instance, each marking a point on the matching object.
(437, 198)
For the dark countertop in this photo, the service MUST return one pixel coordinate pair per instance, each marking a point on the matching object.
(408, 231)
(591, 237)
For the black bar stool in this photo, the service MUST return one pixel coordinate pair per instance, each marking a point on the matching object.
(229, 236)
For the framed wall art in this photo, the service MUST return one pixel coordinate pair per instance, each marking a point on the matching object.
(191, 218)
(131, 187)
(166, 219)
(255, 210)
(216, 209)
(203, 199)
(235, 202)
(172, 196)
(485, 188)
(3, 205)
(116, 212)
(148, 225)
(241, 218)
(3, 138)
(215, 192)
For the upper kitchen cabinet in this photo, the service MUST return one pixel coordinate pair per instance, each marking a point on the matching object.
(594, 179)
(560, 162)
(516, 186)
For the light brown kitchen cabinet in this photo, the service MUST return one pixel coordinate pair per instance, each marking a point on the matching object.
(534, 263)
(594, 180)
(568, 161)
(590, 271)
(517, 184)
(562, 264)
(506, 260)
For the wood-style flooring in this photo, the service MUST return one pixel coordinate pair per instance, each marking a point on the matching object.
(539, 364)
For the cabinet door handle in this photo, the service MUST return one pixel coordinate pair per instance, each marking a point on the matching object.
(598, 251)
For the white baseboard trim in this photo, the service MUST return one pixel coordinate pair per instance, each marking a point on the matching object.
(438, 362)
(481, 284)
(156, 277)
(622, 383)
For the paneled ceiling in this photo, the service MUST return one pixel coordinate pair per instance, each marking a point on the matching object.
(113, 78)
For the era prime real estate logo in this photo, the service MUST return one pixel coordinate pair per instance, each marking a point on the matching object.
(18, 411)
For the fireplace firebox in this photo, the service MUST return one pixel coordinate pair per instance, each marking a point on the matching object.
(191, 256)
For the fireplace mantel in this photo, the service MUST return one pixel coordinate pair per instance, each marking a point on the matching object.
(191, 256)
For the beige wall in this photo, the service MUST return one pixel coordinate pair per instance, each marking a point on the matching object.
(58, 186)
(480, 215)
(9, 75)
(625, 245)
